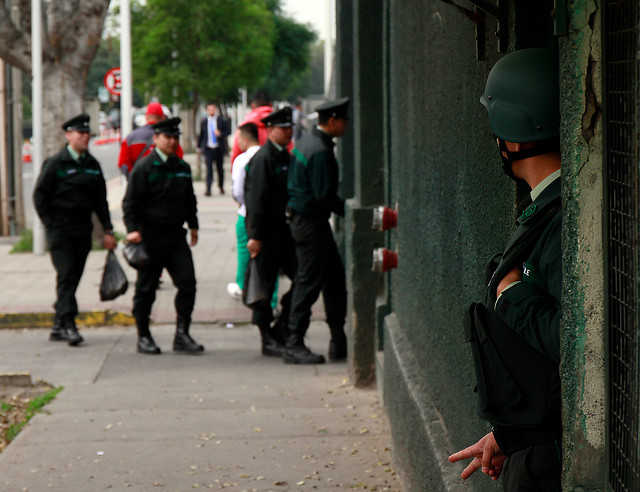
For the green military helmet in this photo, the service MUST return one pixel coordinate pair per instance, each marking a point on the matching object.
(522, 96)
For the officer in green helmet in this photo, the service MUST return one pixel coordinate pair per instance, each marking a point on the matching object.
(515, 333)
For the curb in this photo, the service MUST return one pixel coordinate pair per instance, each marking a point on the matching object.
(45, 320)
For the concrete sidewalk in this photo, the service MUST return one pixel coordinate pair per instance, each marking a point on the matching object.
(27, 281)
(226, 419)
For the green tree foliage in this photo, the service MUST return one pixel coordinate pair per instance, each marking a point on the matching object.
(288, 75)
(107, 57)
(194, 50)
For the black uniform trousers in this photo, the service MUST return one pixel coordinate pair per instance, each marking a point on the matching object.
(210, 156)
(537, 468)
(69, 252)
(320, 269)
(166, 250)
(277, 253)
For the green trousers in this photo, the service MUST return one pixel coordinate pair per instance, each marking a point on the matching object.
(243, 258)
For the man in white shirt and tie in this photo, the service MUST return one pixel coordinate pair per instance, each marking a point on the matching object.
(212, 143)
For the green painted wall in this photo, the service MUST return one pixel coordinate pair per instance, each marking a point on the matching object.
(455, 211)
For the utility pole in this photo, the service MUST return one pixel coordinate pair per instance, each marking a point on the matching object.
(36, 64)
(4, 152)
(16, 102)
(328, 48)
(126, 94)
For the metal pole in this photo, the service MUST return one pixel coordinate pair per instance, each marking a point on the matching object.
(328, 48)
(5, 123)
(36, 94)
(126, 95)
(18, 205)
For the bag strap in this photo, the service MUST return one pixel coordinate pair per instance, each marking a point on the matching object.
(141, 154)
(530, 234)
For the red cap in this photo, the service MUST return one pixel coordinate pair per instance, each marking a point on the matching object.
(155, 108)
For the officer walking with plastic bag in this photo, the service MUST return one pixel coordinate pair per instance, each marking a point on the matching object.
(70, 187)
(159, 200)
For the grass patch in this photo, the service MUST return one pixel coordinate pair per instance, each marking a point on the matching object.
(33, 407)
(25, 244)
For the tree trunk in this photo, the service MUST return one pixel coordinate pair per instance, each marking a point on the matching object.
(63, 98)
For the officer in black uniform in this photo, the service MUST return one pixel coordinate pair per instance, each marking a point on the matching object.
(70, 187)
(515, 333)
(313, 187)
(270, 241)
(159, 200)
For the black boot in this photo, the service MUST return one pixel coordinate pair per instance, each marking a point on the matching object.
(296, 352)
(338, 343)
(182, 341)
(71, 332)
(279, 331)
(58, 333)
(145, 344)
(270, 346)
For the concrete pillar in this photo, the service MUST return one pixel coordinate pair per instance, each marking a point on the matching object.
(344, 83)
(584, 326)
(363, 285)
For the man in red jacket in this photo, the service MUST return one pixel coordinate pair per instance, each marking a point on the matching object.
(139, 142)
(260, 108)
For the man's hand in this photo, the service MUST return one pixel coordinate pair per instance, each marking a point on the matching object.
(485, 454)
(513, 275)
(254, 246)
(134, 237)
(109, 241)
(217, 132)
(194, 237)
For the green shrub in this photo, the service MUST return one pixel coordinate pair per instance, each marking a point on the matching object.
(25, 244)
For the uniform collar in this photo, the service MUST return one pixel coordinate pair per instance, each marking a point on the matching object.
(548, 194)
(164, 157)
(279, 147)
(326, 138)
(535, 193)
(74, 155)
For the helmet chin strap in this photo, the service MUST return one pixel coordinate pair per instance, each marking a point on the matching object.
(508, 156)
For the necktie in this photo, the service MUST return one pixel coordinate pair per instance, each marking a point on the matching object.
(212, 132)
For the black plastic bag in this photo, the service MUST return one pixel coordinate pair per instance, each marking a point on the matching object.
(255, 290)
(136, 255)
(114, 281)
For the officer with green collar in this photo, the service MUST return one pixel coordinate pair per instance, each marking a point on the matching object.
(515, 334)
(159, 200)
(70, 187)
(313, 190)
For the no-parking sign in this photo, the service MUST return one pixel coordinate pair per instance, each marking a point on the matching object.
(113, 82)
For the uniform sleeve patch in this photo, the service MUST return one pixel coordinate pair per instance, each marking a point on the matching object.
(300, 158)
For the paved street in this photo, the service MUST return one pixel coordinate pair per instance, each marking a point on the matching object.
(227, 419)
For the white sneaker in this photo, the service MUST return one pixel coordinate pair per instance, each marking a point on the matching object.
(234, 290)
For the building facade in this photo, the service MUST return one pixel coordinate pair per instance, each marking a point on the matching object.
(420, 144)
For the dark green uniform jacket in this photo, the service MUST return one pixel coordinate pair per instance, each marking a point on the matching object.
(516, 347)
(313, 177)
(265, 191)
(160, 195)
(68, 191)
